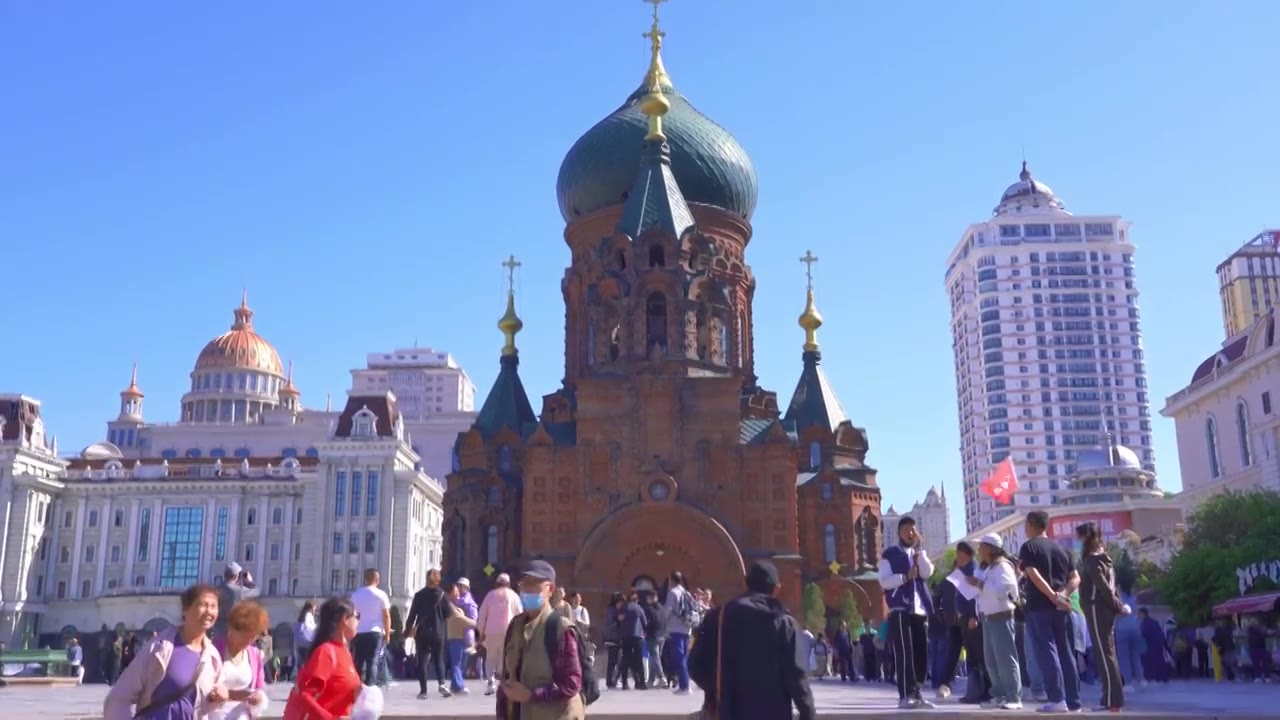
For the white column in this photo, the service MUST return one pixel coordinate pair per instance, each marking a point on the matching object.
(154, 551)
(233, 529)
(53, 525)
(206, 547)
(100, 557)
(77, 550)
(287, 550)
(132, 547)
(261, 559)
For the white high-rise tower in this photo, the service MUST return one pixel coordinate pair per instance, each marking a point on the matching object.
(1048, 345)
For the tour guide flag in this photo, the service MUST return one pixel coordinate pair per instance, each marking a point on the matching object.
(1003, 483)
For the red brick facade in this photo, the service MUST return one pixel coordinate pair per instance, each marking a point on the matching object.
(659, 453)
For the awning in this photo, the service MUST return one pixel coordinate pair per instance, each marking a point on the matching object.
(1263, 602)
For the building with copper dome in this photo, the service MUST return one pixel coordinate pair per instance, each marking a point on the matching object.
(1047, 338)
(304, 499)
(661, 451)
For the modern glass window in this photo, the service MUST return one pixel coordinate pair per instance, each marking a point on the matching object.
(337, 543)
(356, 478)
(144, 535)
(180, 547)
(829, 543)
(220, 535)
(339, 493)
(372, 494)
(335, 581)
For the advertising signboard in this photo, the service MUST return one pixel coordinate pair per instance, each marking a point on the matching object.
(1062, 528)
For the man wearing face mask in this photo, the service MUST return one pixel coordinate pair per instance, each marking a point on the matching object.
(541, 675)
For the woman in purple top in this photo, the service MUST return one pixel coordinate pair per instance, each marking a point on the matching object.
(176, 677)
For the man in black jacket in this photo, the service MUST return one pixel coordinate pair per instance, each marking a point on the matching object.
(978, 685)
(745, 656)
(427, 614)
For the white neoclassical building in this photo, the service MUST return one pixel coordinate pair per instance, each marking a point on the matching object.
(1226, 417)
(932, 520)
(305, 500)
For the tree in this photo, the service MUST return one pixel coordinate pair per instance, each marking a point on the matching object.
(942, 566)
(1227, 532)
(814, 615)
(849, 611)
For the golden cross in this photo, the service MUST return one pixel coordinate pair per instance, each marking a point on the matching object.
(655, 34)
(511, 264)
(809, 259)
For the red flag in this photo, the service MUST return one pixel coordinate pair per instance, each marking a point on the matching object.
(1002, 483)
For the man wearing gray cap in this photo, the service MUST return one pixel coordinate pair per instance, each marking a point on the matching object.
(232, 590)
(542, 675)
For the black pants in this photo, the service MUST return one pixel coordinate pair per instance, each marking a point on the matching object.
(870, 668)
(978, 686)
(633, 662)
(954, 642)
(365, 652)
(1102, 631)
(909, 635)
(614, 661)
(430, 647)
(847, 670)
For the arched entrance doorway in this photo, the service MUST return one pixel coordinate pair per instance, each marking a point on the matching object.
(651, 540)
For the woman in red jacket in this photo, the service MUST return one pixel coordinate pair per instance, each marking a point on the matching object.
(328, 684)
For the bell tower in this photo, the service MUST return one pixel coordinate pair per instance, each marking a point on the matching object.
(657, 284)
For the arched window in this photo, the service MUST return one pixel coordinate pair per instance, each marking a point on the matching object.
(504, 459)
(655, 323)
(1242, 430)
(620, 260)
(1211, 445)
(827, 493)
(829, 543)
(494, 498)
(815, 454)
(866, 531)
(457, 547)
(491, 545)
(251, 516)
(657, 257)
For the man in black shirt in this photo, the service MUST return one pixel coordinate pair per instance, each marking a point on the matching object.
(1053, 577)
(425, 624)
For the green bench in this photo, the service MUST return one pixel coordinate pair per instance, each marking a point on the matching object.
(36, 667)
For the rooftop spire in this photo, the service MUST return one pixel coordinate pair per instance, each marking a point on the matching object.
(244, 316)
(510, 323)
(810, 319)
(289, 388)
(655, 104)
(132, 390)
(1025, 175)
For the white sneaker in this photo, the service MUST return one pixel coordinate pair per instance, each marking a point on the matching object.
(944, 692)
(1011, 705)
(444, 691)
(1058, 707)
(491, 687)
(906, 704)
(922, 704)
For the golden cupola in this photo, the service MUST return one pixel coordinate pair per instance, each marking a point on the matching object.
(240, 348)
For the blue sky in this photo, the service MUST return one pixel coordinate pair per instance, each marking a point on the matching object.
(363, 170)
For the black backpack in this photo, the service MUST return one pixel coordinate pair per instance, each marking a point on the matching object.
(590, 688)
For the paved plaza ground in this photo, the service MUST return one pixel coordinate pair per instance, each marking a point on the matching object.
(1205, 700)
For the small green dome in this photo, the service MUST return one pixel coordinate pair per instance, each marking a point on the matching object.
(710, 165)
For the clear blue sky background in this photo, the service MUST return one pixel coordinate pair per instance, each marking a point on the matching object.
(364, 168)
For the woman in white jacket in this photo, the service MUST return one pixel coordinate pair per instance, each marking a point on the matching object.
(997, 584)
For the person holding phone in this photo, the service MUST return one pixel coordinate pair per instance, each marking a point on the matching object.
(904, 568)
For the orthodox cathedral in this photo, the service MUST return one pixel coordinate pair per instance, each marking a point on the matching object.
(661, 452)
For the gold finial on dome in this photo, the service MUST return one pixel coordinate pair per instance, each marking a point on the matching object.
(810, 319)
(244, 316)
(655, 104)
(510, 323)
(132, 390)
